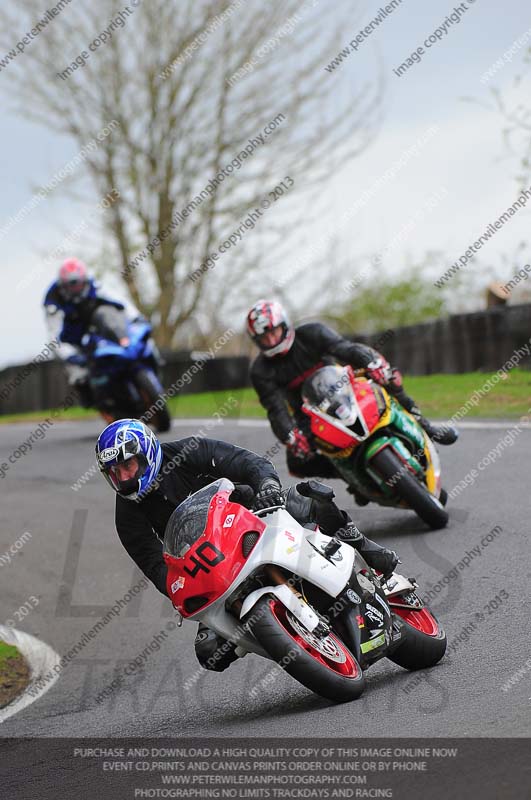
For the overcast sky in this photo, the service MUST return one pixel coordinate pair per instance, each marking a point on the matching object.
(465, 161)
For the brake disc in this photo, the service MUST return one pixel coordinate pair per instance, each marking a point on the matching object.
(327, 646)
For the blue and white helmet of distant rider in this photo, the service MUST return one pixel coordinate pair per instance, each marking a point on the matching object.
(129, 456)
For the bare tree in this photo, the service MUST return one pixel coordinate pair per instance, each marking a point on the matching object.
(217, 103)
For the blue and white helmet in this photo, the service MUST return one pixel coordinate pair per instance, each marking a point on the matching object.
(121, 441)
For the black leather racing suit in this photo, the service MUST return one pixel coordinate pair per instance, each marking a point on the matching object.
(187, 465)
(278, 382)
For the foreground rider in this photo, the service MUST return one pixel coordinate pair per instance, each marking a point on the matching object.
(70, 303)
(151, 479)
(288, 356)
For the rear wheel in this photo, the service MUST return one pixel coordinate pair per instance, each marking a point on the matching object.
(325, 666)
(423, 640)
(150, 391)
(408, 488)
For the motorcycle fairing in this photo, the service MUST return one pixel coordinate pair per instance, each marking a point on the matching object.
(139, 344)
(282, 542)
(396, 419)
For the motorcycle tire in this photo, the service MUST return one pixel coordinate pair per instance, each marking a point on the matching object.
(408, 488)
(424, 641)
(150, 393)
(325, 666)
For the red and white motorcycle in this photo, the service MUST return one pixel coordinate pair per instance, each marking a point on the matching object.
(292, 594)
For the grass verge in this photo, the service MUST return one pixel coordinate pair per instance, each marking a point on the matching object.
(439, 397)
(14, 673)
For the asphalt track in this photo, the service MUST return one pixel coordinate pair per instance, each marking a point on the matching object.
(75, 565)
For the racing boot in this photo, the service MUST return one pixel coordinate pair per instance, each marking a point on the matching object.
(213, 651)
(442, 434)
(376, 556)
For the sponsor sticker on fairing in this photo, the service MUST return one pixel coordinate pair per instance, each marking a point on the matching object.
(353, 596)
(374, 614)
(229, 520)
(178, 584)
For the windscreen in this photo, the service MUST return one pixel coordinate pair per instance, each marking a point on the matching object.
(188, 521)
(329, 390)
(109, 323)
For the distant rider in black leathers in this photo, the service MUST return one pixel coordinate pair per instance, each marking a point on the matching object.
(288, 356)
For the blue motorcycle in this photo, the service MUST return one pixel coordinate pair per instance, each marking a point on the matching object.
(123, 364)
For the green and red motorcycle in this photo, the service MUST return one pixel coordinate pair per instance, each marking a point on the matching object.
(378, 448)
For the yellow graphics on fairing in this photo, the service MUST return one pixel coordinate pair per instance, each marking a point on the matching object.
(376, 446)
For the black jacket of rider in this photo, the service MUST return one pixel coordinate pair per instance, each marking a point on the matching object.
(187, 465)
(278, 380)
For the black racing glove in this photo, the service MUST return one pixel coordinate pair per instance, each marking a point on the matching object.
(269, 494)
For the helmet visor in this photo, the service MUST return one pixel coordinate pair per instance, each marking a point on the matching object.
(125, 476)
(74, 288)
(271, 338)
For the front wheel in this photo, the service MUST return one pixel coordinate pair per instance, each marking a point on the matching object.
(150, 392)
(423, 640)
(325, 666)
(408, 488)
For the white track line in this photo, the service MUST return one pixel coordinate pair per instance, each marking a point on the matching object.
(212, 423)
(480, 425)
(41, 659)
(494, 426)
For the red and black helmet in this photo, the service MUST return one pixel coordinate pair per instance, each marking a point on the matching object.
(264, 317)
(73, 281)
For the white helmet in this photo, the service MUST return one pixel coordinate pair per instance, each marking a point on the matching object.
(265, 316)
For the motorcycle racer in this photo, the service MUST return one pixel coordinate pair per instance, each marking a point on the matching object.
(291, 354)
(69, 304)
(151, 479)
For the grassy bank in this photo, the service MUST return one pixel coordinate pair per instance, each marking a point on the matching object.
(439, 396)
(14, 673)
